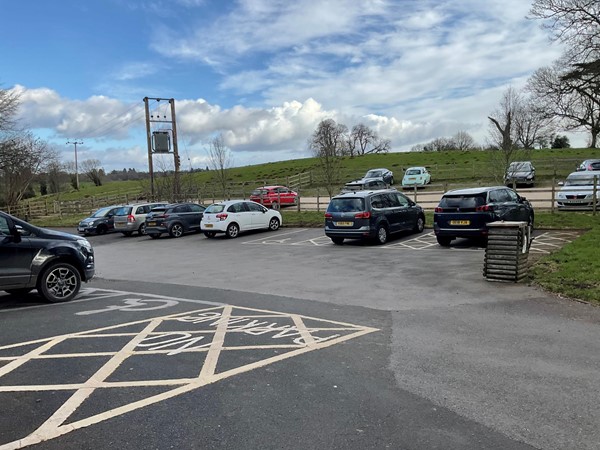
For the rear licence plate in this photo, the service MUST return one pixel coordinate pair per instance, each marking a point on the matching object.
(208, 225)
(343, 224)
(151, 224)
(460, 222)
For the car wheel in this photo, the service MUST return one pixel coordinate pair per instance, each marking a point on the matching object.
(59, 282)
(444, 241)
(127, 233)
(154, 235)
(210, 234)
(101, 229)
(20, 291)
(142, 230)
(176, 230)
(420, 224)
(233, 230)
(275, 205)
(382, 235)
(391, 181)
(337, 240)
(274, 224)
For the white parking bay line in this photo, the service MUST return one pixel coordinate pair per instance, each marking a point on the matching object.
(275, 239)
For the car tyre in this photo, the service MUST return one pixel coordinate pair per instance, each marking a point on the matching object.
(59, 282)
(154, 235)
(337, 240)
(233, 230)
(420, 224)
(176, 230)
(101, 229)
(275, 206)
(142, 230)
(274, 224)
(444, 241)
(382, 235)
(210, 234)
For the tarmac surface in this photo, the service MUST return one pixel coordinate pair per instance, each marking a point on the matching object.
(284, 340)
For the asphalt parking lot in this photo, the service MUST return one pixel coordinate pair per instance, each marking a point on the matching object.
(284, 340)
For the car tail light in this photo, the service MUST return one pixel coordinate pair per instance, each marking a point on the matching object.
(363, 215)
(328, 216)
(222, 216)
(131, 218)
(438, 209)
(484, 208)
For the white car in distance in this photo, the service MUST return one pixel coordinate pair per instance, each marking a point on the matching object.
(233, 217)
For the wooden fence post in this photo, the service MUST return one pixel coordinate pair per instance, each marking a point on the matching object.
(553, 196)
(318, 201)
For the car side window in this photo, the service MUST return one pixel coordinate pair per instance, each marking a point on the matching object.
(4, 229)
(402, 200)
(237, 208)
(140, 210)
(196, 208)
(499, 196)
(181, 209)
(377, 202)
(254, 207)
(512, 195)
(392, 200)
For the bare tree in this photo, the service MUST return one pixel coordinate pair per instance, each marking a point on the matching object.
(22, 157)
(9, 102)
(220, 160)
(463, 141)
(364, 140)
(328, 144)
(574, 22)
(93, 170)
(570, 96)
(532, 124)
(503, 133)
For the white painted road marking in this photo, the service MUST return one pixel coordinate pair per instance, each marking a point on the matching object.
(209, 332)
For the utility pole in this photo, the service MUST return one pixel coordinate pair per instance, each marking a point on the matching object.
(75, 143)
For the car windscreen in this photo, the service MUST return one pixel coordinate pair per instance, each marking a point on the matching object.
(463, 202)
(374, 174)
(413, 172)
(124, 211)
(346, 205)
(102, 212)
(215, 209)
(519, 167)
(582, 181)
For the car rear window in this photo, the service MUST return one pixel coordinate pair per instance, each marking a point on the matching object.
(124, 211)
(463, 202)
(260, 192)
(346, 205)
(215, 209)
(413, 172)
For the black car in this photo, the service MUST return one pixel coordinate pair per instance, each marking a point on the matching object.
(372, 215)
(465, 213)
(101, 222)
(52, 262)
(175, 219)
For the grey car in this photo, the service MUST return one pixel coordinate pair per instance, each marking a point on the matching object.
(132, 218)
(101, 222)
(520, 173)
(372, 215)
(175, 219)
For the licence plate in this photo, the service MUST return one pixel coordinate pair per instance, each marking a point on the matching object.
(343, 224)
(208, 225)
(151, 224)
(460, 222)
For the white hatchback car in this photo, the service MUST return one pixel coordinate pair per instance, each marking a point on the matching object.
(235, 216)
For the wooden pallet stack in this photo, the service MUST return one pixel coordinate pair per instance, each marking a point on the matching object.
(506, 255)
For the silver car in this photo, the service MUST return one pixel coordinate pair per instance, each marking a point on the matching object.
(132, 218)
(577, 191)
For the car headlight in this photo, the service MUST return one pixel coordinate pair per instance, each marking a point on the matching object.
(84, 243)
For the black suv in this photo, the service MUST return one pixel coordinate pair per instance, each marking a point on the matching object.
(52, 262)
(175, 219)
(372, 215)
(465, 213)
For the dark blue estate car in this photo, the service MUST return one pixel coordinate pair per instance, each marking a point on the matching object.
(465, 213)
(372, 215)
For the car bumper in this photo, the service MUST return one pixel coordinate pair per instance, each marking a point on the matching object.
(217, 227)
(357, 233)
(158, 229)
(460, 232)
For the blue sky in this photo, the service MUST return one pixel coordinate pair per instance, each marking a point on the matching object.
(263, 72)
